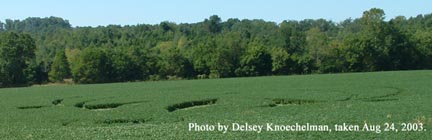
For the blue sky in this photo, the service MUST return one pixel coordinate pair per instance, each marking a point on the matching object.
(131, 12)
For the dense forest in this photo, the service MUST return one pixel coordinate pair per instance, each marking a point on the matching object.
(40, 50)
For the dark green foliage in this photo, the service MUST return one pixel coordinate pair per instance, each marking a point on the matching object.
(93, 66)
(173, 64)
(213, 24)
(128, 64)
(16, 56)
(40, 73)
(97, 65)
(256, 61)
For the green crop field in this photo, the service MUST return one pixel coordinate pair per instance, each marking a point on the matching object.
(165, 109)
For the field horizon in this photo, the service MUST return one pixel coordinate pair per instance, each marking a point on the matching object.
(310, 74)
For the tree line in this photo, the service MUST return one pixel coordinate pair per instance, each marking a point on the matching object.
(40, 50)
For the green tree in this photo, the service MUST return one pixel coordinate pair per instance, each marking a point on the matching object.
(256, 61)
(317, 43)
(294, 43)
(201, 57)
(369, 49)
(423, 41)
(92, 67)
(172, 63)
(214, 24)
(226, 56)
(1, 26)
(59, 68)
(128, 64)
(16, 55)
(280, 60)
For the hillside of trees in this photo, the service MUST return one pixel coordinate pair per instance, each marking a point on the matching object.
(40, 50)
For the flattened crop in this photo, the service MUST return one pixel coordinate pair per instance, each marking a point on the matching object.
(31, 107)
(124, 121)
(57, 101)
(279, 102)
(108, 105)
(103, 106)
(190, 104)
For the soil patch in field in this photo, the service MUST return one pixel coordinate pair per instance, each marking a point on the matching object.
(191, 104)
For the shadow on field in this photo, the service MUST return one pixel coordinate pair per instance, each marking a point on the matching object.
(57, 101)
(124, 121)
(104, 105)
(230, 93)
(109, 105)
(348, 98)
(380, 100)
(190, 104)
(60, 100)
(81, 104)
(32, 107)
(281, 102)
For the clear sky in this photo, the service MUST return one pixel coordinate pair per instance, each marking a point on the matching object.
(131, 12)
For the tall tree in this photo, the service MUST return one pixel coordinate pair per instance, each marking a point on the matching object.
(317, 43)
(16, 54)
(92, 67)
(214, 24)
(59, 68)
(1, 26)
(256, 61)
(369, 49)
(280, 60)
